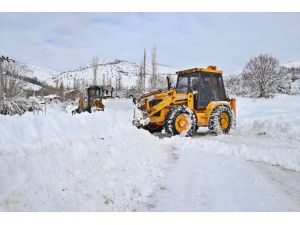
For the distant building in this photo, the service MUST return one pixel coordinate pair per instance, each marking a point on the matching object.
(52, 98)
(72, 94)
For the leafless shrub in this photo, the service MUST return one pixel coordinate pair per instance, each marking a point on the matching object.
(262, 76)
(12, 80)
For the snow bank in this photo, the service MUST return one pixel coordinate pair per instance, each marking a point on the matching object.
(90, 162)
(267, 131)
(100, 162)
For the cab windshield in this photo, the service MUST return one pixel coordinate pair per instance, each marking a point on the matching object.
(187, 82)
(96, 92)
(208, 85)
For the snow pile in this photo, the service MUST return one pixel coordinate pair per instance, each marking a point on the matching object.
(19, 106)
(267, 131)
(295, 87)
(100, 162)
(90, 162)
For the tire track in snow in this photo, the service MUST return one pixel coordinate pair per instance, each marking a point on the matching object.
(201, 181)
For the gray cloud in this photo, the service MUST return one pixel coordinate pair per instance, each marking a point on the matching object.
(228, 40)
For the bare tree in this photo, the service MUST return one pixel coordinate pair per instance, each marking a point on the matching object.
(262, 75)
(103, 79)
(109, 83)
(154, 69)
(1, 79)
(77, 84)
(144, 71)
(12, 83)
(56, 83)
(234, 85)
(74, 83)
(140, 79)
(118, 86)
(141, 82)
(95, 69)
(61, 89)
(83, 83)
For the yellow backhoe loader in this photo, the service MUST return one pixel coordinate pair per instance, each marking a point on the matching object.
(198, 100)
(93, 102)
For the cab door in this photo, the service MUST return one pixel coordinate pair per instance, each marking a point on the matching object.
(211, 88)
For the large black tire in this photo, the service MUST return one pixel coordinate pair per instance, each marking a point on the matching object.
(221, 120)
(172, 117)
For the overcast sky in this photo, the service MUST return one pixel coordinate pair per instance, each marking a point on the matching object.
(66, 40)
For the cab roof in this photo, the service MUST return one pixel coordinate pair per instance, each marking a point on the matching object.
(210, 69)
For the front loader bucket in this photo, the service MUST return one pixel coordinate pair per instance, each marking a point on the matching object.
(140, 118)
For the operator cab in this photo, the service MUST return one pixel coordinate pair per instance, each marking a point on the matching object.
(94, 92)
(206, 84)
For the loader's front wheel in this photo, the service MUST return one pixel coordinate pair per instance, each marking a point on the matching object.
(180, 120)
(220, 120)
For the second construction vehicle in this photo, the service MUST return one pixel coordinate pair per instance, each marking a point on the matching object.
(198, 100)
(93, 101)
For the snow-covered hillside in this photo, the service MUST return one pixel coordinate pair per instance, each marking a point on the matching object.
(41, 73)
(100, 162)
(291, 64)
(110, 69)
(30, 86)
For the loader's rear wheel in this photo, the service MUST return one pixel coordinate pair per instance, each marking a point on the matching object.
(220, 120)
(180, 120)
(152, 128)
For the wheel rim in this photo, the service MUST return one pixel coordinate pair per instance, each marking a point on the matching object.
(224, 121)
(181, 123)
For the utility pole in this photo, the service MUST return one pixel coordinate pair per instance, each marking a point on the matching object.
(2, 59)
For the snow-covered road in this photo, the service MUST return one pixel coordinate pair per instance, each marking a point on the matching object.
(210, 175)
(99, 162)
(201, 181)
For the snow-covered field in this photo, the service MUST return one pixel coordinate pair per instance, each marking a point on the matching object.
(100, 162)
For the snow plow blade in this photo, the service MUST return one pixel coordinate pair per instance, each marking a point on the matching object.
(140, 118)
